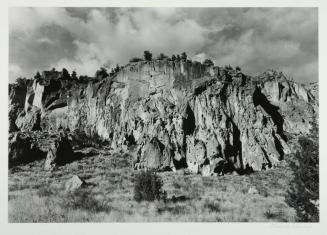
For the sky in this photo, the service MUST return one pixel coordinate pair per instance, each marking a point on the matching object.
(85, 39)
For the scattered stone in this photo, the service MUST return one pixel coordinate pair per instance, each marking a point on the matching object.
(235, 173)
(252, 190)
(75, 182)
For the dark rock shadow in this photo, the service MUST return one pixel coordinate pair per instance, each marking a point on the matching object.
(272, 110)
(233, 153)
(26, 156)
(79, 156)
(175, 199)
(181, 164)
(189, 121)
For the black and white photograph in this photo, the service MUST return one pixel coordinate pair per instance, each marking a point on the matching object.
(163, 114)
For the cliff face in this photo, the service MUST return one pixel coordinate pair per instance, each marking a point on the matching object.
(17, 95)
(180, 115)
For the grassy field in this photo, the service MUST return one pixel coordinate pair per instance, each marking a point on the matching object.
(36, 195)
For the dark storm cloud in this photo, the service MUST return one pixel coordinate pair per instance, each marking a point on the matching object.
(87, 38)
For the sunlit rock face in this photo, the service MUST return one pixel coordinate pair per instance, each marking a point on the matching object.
(17, 95)
(181, 114)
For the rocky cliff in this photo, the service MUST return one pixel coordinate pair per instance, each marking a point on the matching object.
(175, 115)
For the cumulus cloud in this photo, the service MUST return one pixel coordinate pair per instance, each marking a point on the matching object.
(83, 39)
(14, 71)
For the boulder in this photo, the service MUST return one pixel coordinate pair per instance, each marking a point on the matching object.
(217, 165)
(59, 153)
(75, 182)
(252, 190)
(196, 155)
(30, 120)
(205, 170)
(155, 155)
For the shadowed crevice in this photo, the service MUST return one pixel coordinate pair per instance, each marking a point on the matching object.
(234, 151)
(189, 121)
(279, 147)
(181, 164)
(261, 99)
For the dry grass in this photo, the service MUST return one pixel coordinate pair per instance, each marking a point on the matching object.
(38, 196)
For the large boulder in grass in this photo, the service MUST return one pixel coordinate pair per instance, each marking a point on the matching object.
(22, 150)
(60, 152)
(74, 183)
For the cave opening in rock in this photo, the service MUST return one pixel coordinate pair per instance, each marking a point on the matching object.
(272, 110)
(189, 121)
(233, 153)
(180, 164)
(129, 140)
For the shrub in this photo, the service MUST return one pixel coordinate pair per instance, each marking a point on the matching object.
(135, 59)
(37, 76)
(228, 67)
(65, 74)
(269, 214)
(208, 62)
(117, 68)
(148, 187)
(44, 192)
(183, 56)
(23, 82)
(212, 206)
(84, 200)
(162, 56)
(74, 75)
(303, 194)
(147, 55)
(101, 73)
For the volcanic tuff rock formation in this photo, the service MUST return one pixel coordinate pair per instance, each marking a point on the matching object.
(25, 147)
(22, 150)
(177, 114)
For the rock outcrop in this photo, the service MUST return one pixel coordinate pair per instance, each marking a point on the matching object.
(155, 155)
(22, 150)
(17, 95)
(297, 103)
(60, 152)
(180, 114)
(26, 147)
(29, 121)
